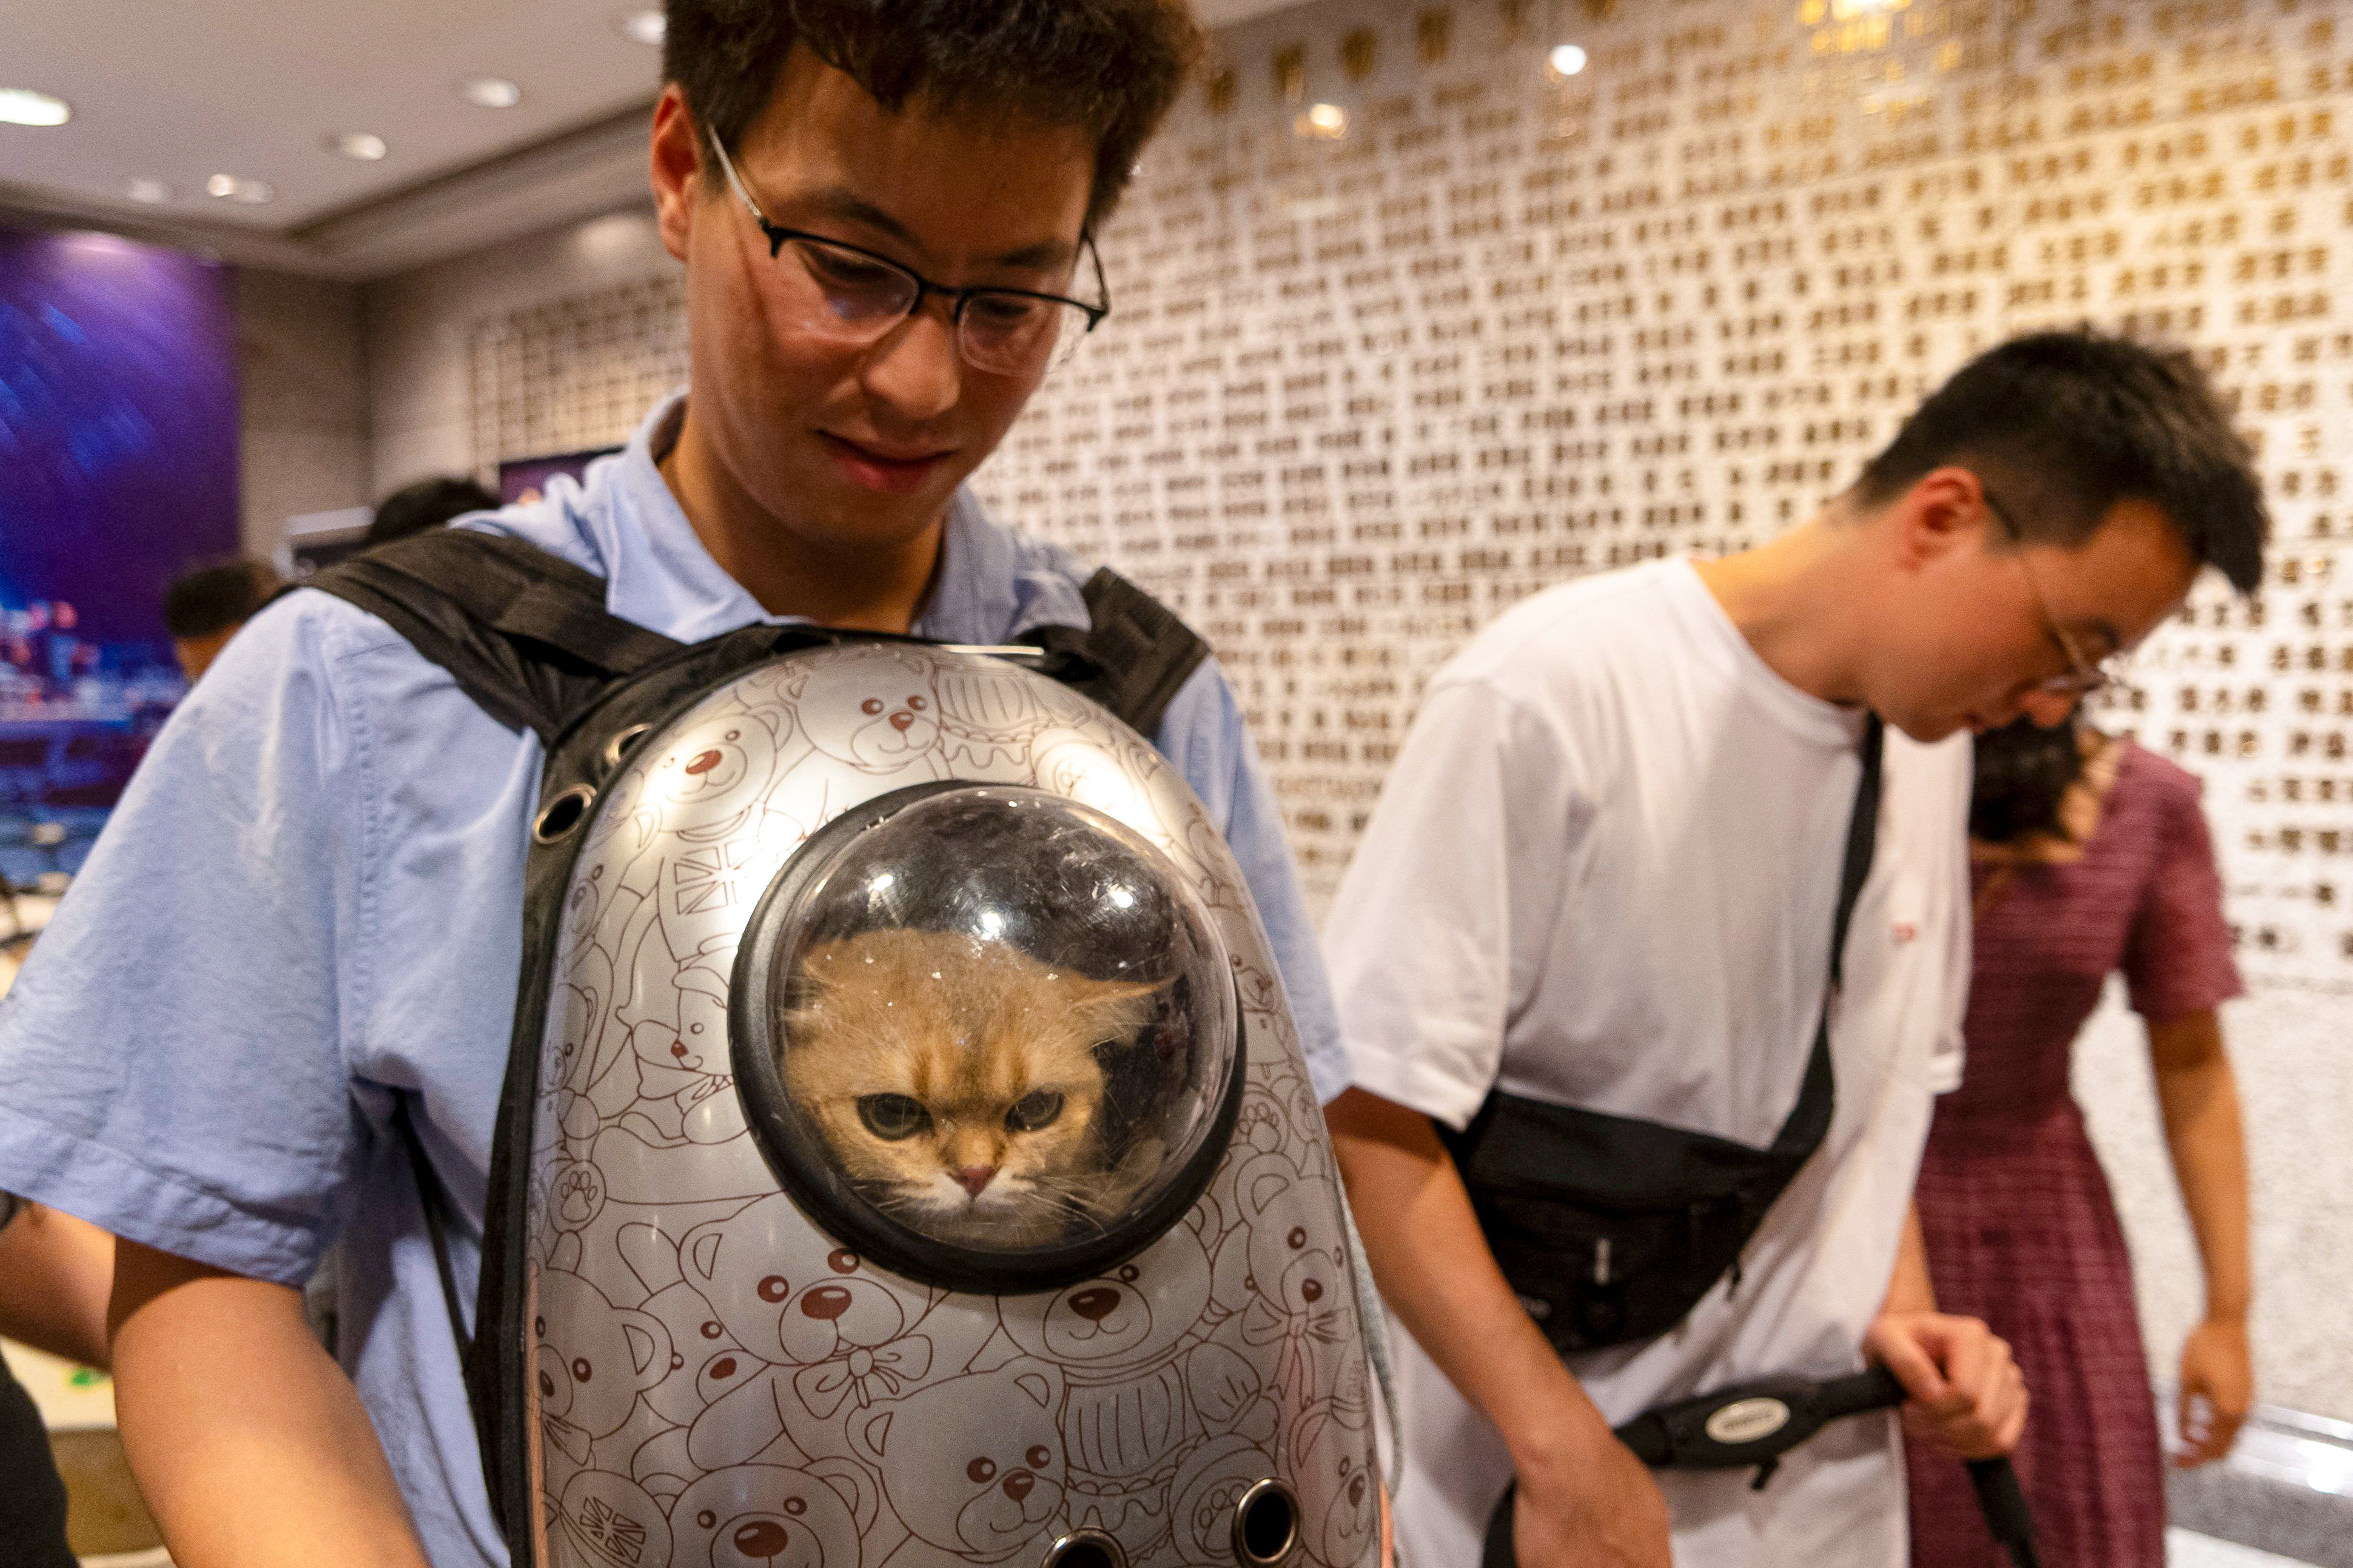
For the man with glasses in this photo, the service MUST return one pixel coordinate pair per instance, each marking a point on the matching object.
(1601, 882)
(307, 907)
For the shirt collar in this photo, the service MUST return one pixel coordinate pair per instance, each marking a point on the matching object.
(990, 586)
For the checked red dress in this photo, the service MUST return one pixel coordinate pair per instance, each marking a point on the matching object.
(2020, 1225)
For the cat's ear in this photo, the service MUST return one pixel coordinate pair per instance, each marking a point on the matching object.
(1113, 1012)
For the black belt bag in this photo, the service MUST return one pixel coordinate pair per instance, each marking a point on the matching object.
(1611, 1229)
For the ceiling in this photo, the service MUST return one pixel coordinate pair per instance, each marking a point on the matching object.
(167, 92)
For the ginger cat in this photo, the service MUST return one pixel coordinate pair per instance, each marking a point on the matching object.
(959, 1082)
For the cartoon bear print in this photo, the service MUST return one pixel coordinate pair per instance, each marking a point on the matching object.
(878, 715)
(682, 1056)
(590, 1361)
(1142, 1385)
(1283, 1271)
(835, 1335)
(772, 1516)
(1339, 1495)
(972, 1466)
(706, 777)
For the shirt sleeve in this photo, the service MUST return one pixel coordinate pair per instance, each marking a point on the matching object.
(1205, 735)
(2177, 954)
(170, 1061)
(1448, 913)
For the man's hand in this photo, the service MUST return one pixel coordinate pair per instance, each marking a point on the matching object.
(1967, 1394)
(2218, 1384)
(1597, 1506)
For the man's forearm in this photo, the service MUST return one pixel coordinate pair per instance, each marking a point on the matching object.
(55, 1274)
(1910, 1289)
(1436, 1273)
(250, 1444)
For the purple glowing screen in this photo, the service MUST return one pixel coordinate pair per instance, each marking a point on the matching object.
(118, 445)
(118, 427)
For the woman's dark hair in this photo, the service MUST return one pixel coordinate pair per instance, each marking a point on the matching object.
(2063, 425)
(2023, 771)
(1112, 66)
(426, 504)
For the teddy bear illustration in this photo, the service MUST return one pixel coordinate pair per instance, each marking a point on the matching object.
(705, 1361)
(708, 775)
(590, 1360)
(972, 1466)
(1332, 1448)
(605, 1520)
(1143, 1385)
(834, 1335)
(773, 1516)
(1284, 1272)
(878, 713)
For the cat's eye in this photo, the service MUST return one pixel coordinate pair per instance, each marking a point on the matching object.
(1035, 1109)
(893, 1116)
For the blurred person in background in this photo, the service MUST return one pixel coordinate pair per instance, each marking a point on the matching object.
(426, 504)
(203, 609)
(2090, 857)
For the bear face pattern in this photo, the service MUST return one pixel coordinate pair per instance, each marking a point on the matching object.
(776, 1397)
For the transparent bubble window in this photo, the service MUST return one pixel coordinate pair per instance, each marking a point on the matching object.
(988, 1034)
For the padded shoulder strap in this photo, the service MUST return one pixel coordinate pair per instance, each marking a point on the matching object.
(526, 632)
(1133, 657)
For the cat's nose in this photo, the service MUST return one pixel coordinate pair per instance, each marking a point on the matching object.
(902, 720)
(1018, 1484)
(703, 762)
(972, 1178)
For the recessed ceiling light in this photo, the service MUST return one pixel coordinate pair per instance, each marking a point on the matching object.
(359, 145)
(230, 188)
(645, 27)
(154, 192)
(1328, 121)
(492, 92)
(23, 106)
(1566, 60)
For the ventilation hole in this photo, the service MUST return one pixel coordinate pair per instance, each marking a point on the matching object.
(563, 814)
(616, 748)
(1085, 1549)
(1266, 1524)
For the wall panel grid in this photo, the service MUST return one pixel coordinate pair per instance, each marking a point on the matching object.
(1361, 392)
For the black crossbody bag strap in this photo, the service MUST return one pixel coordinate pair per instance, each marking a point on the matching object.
(1611, 1229)
(1133, 656)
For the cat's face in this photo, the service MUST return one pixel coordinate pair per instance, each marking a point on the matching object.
(958, 1082)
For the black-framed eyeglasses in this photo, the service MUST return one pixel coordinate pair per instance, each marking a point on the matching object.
(2087, 676)
(854, 297)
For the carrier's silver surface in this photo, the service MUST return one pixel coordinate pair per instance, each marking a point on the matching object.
(717, 1380)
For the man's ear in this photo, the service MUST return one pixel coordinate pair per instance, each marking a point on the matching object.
(1943, 512)
(676, 166)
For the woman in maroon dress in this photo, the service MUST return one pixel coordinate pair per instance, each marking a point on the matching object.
(2090, 857)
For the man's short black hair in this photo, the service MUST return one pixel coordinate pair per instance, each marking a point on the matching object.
(2061, 427)
(427, 503)
(1110, 66)
(217, 598)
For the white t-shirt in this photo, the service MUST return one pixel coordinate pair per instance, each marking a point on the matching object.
(1603, 874)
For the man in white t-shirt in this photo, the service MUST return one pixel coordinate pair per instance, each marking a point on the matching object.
(1603, 876)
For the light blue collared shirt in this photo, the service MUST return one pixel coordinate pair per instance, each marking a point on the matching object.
(307, 902)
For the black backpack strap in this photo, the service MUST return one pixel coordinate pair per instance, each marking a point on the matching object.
(526, 632)
(1134, 655)
(434, 1199)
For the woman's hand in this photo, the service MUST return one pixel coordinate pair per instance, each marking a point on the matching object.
(2218, 1384)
